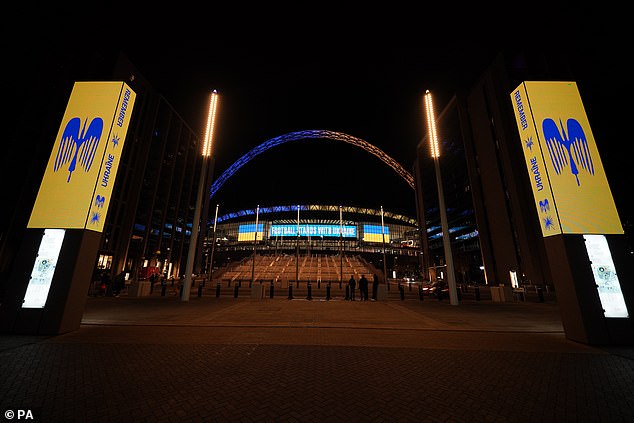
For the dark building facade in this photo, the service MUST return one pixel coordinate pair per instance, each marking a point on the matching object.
(150, 216)
(485, 180)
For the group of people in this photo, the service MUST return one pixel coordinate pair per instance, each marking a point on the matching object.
(112, 288)
(363, 288)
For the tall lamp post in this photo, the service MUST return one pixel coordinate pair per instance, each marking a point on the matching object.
(297, 252)
(435, 153)
(340, 247)
(213, 246)
(255, 243)
(206, 154)
(384, 261)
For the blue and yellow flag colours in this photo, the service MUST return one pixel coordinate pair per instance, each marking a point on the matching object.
(77, 184)
(570, 188)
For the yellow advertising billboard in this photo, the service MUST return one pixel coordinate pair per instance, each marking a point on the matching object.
(77, 184)
(570, 188)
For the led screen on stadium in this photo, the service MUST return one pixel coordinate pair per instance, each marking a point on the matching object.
(246, 232)
(570, 188)
(374, 233)
(77, 184)
(315, 230)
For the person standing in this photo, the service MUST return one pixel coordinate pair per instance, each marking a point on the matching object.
(352, 285)
(119, 284)
(105, 284)
(375, 286)
(363, 288)
(152, 281)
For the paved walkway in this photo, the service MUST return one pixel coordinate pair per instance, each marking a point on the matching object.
(159, 359)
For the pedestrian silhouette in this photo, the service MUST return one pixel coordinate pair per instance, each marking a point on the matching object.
(375, 286)
(363, 288)
(352, 284)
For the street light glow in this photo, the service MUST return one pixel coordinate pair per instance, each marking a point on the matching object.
(206, 153)
(431, 125)
(446, 240)
(211, 123)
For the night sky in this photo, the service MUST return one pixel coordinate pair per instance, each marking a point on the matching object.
(375, 95)
(279, 77)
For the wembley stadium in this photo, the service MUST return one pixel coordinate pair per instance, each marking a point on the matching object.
(382, 242)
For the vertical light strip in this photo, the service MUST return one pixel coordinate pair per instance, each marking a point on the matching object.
(211, 123)
(431, 125)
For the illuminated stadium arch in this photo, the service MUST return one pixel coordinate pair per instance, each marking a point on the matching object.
(311, 134)
(318, 207)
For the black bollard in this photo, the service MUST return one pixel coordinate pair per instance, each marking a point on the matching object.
(318, 283)
(310, 292)
(540, 294)
(180, 292)
(290, 291)
(200, 290)
(235, 291)
(402, 292)
(421, 294)
(271, 289)
(347, 292)
(163, 289)
(328, 292)
(477, 293)
(218, 290)
(459, 295)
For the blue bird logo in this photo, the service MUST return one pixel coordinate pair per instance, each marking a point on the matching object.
(99, 201)
(75, 145)
(567, 148)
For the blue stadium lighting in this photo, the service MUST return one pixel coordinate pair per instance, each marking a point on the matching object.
(307, 135)
(315, 207)
(469, 235)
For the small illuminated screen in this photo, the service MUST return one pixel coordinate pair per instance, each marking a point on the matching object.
(43, 269)
(374, 233)
(605, 276)
(246, 232)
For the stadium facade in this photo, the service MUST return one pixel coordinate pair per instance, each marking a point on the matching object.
(319, 231)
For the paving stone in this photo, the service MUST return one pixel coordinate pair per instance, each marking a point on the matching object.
(310, 361)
